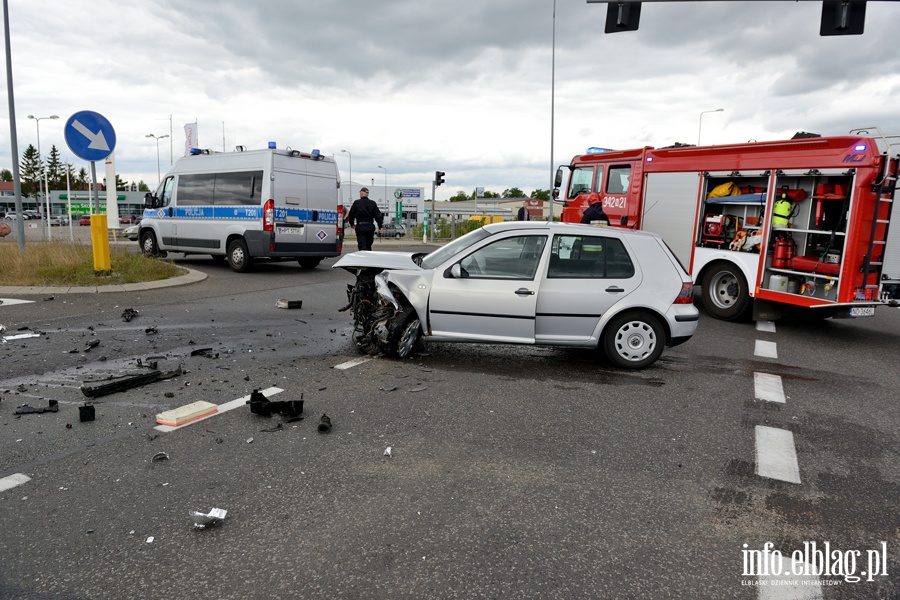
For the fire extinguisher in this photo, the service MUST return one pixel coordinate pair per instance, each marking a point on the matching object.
(784, 252)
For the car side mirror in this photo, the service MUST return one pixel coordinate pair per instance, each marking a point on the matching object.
(558, 181)
(149, 200)
(456, 271)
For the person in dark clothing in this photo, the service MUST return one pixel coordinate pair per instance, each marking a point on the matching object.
(523, 214)
(363, 216)
(595, 212)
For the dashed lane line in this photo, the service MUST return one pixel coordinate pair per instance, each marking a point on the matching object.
(767, 326)
(766, 349)
(768, 387)
(8, 483)
(11, 301)
(222, 408)
(352, 363)
(776, 456)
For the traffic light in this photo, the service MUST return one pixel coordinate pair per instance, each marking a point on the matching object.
(439, 177)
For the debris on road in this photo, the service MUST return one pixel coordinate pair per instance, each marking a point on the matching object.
(284, 303)
(214, 517)
(125, 382)
(187, 413)
(159, 456)
(151, 330)
(53, 406)
(128, 314)
(391, 388)
(324, 424)
(20, 336)
(387, 452)
(207, 352)
(91, 344)
(260, 405)
(86, 413)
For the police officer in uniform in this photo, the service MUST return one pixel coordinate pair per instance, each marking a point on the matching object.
(363, 216)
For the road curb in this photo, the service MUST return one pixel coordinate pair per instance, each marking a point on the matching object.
(191, 276)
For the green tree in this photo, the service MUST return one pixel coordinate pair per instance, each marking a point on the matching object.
(30, 171)
(121, 185)
(6, 175)
(81, 181)
(513, 192)
(459, 197)
(541, 194)
(142, 187)
(487, 194)
(54, 169)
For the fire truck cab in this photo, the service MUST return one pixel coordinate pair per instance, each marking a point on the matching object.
(763, 226)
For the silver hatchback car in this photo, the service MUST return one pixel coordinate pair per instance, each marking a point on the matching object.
(527, 282)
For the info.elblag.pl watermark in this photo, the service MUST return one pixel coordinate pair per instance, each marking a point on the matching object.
(813, 564)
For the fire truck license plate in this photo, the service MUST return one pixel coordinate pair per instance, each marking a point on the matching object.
(862, 311)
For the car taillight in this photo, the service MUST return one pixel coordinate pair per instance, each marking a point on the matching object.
(269, 215)
(340, 219)
(686, 295)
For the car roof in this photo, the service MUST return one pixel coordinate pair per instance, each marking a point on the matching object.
(564, 228)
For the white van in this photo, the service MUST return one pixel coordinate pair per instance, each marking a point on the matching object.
(241, 206)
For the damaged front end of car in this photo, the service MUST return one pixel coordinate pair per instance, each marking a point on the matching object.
(383, 322)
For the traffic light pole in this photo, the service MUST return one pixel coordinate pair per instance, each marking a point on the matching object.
(431, 225)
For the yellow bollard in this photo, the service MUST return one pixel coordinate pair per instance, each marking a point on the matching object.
(100, 243)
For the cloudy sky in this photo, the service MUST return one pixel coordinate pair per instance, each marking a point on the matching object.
(462, 86)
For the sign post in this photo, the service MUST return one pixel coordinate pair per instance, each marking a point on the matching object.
(91, 137)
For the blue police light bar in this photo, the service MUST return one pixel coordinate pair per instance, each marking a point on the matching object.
(859, 148)
(595, 150)
(195, 151)
(315, 152)
(272, 145)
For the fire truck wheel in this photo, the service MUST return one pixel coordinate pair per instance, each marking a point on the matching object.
(725, 293)
(634, 340)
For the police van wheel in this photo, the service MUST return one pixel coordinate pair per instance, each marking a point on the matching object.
(148, 244)
(239, 258)
(309, 262)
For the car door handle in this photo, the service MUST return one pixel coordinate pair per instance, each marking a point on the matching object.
(524, 292)
(614, 289)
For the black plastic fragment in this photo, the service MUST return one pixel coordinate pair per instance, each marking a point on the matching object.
(324, 424)
(127, 382)
(207, 352)
(86, 413)
(53, 406)
(260, 405)
(128, 314)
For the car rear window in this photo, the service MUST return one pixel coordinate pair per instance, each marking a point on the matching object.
(589, 257)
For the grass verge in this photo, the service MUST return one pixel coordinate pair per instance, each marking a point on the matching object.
(60, 264)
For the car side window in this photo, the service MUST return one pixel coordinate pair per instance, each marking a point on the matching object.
(619, 177)
(589, 257)
(509, 258)
(165, 196)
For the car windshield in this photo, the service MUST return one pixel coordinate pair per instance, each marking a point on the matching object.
(438, 257)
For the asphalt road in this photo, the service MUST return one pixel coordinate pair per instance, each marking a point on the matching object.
(514, 472)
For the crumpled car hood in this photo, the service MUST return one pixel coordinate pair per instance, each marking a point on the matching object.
(369, 259)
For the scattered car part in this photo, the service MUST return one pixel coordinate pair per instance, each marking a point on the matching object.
(284, 303)
(159, 456)
(187, 413)
(53, 406)
(86, 413)
(93, 389)
(128, 314)
(324, 424)
(214, 517)
(260, 405)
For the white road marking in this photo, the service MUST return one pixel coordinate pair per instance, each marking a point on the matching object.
(11, 301)
(766, 349)
(8, 483)
(789, 587)
(776, 456)
(768, 387)
(352, 363)
(223, 408)
(767, 326)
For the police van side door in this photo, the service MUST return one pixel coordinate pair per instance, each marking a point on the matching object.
(166, 229)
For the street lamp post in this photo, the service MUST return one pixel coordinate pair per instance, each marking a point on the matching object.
(157, 138)
(700, 126)
(350, 156)
(387, 203)
(43, 180)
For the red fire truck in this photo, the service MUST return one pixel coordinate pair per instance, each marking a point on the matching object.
(763, 226)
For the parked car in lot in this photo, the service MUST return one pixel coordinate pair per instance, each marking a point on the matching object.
(58, 220)
(84, 220)
(527, 282)
(391, 230)
(132, 232)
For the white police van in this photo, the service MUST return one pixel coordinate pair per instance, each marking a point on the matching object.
(245, 205)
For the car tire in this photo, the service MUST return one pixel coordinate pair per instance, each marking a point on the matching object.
(409, 336)
(634, 340)
(149, 247)
(309, 262)
(239, 258)
(725, 292)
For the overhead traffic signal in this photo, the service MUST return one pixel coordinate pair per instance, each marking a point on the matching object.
(438, 177)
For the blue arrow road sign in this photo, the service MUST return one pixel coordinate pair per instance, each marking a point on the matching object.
(90, 136)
